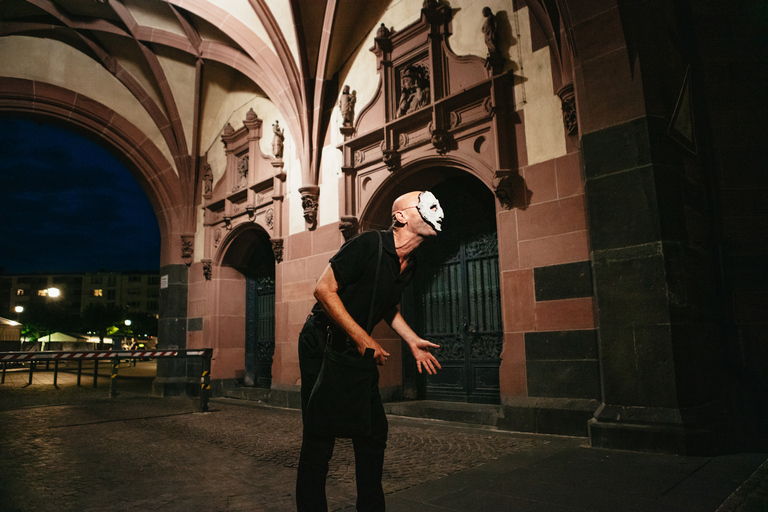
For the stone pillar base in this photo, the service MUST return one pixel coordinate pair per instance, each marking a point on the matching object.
(560, 416)
(703, 431)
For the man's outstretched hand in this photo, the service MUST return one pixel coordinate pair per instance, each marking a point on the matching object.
(424, 357)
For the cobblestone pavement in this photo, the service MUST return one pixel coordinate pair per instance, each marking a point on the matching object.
(76, 449)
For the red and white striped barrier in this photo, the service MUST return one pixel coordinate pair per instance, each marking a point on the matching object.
(100, 354)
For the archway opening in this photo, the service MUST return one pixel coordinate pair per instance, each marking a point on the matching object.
(251, 254)
(455, 298)
(70, 204)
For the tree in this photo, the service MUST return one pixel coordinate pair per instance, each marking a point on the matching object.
(102, 320)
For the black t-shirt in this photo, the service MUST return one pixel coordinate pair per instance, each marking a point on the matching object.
(354, 267)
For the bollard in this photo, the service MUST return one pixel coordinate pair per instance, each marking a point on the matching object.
(79, 371)
(31, 373)
(205, 380)
(95, 373)
(3, 381)
(56, 374)
(113, 378)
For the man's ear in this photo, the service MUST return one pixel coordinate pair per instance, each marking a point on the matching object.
(400, 217)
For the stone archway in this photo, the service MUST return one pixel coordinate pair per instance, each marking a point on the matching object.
(143, 159)
(245, 310)
(455, 299)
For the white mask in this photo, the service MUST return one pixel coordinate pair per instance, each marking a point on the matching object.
(430, 210)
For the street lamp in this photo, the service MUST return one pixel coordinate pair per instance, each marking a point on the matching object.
(19, 310)
(52, 293)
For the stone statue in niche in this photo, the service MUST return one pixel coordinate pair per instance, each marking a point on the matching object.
(347, 106)
(207, 180)
(277, 140)
(242, 171)
(414, 89)
(490, 32)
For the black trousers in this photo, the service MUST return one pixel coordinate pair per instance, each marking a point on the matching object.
(316, 451)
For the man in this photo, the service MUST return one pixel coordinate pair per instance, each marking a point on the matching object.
(343, 295)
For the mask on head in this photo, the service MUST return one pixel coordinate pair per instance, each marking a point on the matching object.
(430, 210)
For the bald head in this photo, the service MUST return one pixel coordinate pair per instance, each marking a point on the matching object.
(408, 200)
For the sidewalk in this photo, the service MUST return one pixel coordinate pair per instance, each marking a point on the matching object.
(76, 449)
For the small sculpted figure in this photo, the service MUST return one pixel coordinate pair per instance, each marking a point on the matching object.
(490, 33)
(277, 140)
(414, 90)
(347, 106)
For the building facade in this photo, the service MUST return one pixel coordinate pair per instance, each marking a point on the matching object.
(602, 270)
(137, 292)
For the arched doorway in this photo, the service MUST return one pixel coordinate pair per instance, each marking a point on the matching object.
(454, 299)
(251, 254)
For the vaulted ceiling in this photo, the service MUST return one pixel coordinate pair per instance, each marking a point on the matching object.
(291, 51)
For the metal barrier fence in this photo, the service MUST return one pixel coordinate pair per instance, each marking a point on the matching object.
(115, 357)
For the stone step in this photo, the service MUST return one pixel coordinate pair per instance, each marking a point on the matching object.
(460, 412)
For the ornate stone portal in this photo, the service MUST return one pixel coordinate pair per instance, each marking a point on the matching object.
(432, 105)
(250, 191)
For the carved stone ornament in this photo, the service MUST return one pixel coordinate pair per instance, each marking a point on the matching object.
(187, 248)
(207, 180)
(504, 189)
(383, 32)
(441, 140)
(391, 159)
(270, 218)
(414, 89)
(207, 269)
(309, 203)
(277, 248)
(251, 212)
(455, 120)
(277, 140)
(242, 172)
(494, 61)
(347, 106)
(568, 100)
(228, 222)
(348, 226)
(217, 237)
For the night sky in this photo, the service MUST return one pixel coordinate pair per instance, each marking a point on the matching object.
(68, 205)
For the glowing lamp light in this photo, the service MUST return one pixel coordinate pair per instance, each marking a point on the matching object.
(53, 292)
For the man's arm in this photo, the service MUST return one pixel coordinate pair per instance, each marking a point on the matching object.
(327, 293)
(419, 347)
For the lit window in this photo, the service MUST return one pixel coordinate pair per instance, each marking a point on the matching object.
(42, 293)
(98, 293)
(20, 292)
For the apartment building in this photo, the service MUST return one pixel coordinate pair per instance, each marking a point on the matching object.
(136, 291)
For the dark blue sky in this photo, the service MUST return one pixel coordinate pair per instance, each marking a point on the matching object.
(68, 205)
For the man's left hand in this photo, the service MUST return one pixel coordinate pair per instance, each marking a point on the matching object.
(424, 357)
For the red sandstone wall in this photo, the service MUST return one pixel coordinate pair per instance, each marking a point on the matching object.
(550, 231)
